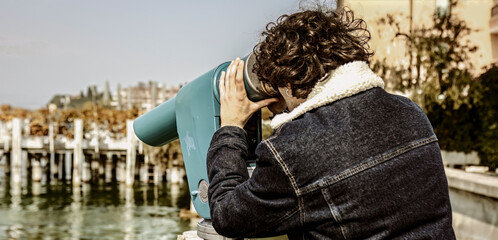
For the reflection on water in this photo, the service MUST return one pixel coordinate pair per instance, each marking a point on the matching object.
(110, 211)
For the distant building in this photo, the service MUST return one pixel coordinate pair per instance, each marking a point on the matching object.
(78, 101)
(143, 96)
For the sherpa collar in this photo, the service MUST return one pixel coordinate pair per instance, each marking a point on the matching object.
(342, 82)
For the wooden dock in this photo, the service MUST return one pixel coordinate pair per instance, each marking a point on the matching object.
(86, 157)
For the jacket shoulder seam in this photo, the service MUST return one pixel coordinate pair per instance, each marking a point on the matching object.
(275, 134)
(282, 164)
(370, 163)
(291, 178)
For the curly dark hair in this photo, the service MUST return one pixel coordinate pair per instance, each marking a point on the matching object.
(302, 47)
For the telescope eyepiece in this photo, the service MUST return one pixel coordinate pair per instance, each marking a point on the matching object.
(256, 89)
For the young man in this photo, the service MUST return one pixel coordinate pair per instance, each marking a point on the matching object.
(349, 161)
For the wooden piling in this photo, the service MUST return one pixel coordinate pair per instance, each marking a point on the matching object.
(102, 162)
(144, 170)
(130, 153)
(108, 168)
(51, 141)
(45, 159)
(29, 162)
(114, 167)
(2, 165)
(121, 170)
(175, 175)
(158, 176)
(16, 151)
(68, 166)
(78, 152)
(60, 166)
(94, 162)
(36, 170)
(86, 172)
(25, 164)
(95, 138)
(101, 168)
(7, 164)
(36, 190)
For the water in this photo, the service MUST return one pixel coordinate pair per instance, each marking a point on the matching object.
(113, 211)
(99, 211)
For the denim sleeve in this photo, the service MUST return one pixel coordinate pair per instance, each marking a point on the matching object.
(262, 205)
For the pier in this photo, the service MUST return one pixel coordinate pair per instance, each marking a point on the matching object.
(86, 155)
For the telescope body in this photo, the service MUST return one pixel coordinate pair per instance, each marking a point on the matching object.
(193, 116)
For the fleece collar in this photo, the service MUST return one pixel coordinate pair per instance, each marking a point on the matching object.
(344, 81)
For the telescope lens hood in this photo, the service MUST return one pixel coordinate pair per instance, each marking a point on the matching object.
(256, 89)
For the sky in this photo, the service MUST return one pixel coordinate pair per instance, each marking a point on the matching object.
(63, 46)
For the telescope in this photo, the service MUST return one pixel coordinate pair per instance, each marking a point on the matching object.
(193, 116)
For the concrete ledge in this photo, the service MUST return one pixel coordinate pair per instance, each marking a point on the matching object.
(473, 182)
(460, 158)
(189, 235)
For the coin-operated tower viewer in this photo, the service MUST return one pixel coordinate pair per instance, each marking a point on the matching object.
(193, 116)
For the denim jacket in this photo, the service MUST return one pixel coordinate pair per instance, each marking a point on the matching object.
(361, 165)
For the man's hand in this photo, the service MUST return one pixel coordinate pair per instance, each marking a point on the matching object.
(235, 107)
(278, 107)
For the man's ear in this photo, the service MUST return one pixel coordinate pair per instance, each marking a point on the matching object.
(290, 89)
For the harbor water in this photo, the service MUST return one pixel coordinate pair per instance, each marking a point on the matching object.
(96, 211)
(34, 210)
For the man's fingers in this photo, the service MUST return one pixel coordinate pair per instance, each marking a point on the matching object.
(221, 84)
(239, 78)
(227, 78)
(265, 102)
(233, 72)
(228, 68)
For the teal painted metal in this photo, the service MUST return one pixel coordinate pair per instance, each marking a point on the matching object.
(197, 120)
(158, 126)
(193, 116)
